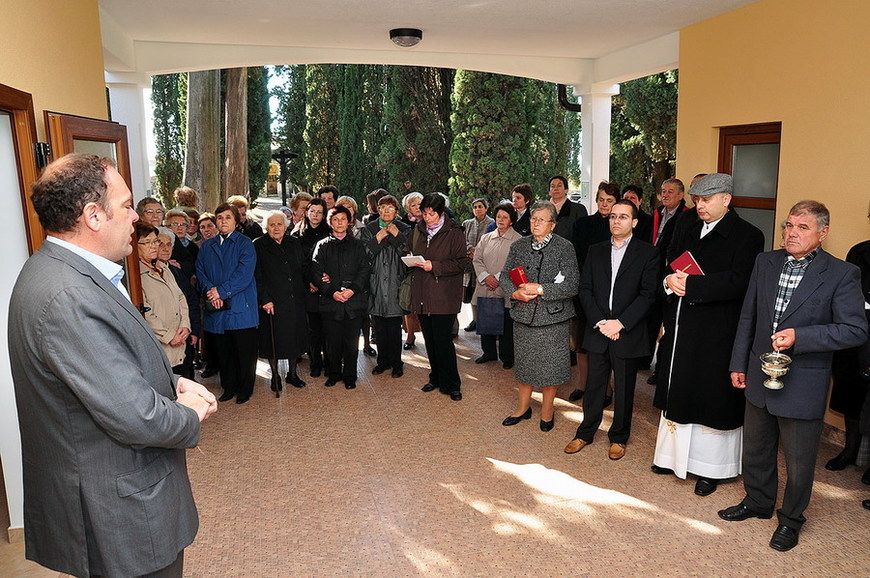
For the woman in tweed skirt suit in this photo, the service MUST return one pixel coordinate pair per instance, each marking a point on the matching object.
(541, 310)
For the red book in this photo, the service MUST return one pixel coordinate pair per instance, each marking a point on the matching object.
(687, 264)
(518, 276)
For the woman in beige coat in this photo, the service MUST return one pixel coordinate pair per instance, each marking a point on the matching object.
(489, 258)
(163, 303)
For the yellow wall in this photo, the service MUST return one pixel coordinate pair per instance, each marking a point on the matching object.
(53, 51)
(805, 63)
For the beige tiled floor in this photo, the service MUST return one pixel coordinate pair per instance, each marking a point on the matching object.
(388, 481)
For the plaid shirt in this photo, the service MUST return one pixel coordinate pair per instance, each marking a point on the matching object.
(789, 278)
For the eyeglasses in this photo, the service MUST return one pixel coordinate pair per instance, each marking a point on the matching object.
(537, 220)
(153, 211)
(153, 243)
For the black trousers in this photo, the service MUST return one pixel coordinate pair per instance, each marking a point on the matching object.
(210, 350)
(342, 345)
(237, 350)
(624, 377)
(438, 333)
(505, 341)
(799, 440)
(316, 341)
(389, 332)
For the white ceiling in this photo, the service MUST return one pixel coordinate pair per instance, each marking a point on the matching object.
(141, 34)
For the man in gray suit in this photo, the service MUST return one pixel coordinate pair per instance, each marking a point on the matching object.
(104, 422)
(807, 304)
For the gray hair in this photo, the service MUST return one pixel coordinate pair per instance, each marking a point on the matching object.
(814, 208)
(166, 232)
(278, 213)
(545, 206)
(176, 212)
(446, 198)
(406, 200)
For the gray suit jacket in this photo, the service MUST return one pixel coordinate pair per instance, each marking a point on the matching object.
(105, 478)
(827, 313)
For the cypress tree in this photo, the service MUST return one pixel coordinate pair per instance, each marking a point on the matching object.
(321, 128)
(259, 129)
(351, 127)
(169, 99)
(290, 119)
(548, 135)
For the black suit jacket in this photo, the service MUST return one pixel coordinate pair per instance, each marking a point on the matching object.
(827, 313)
(633, 295)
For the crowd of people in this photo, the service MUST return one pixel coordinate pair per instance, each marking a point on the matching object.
(550, 287)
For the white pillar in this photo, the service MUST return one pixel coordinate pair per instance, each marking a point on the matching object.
(595, 146)
(128, 108)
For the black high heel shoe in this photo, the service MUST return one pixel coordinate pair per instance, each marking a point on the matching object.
(548, 425)
(840, 462)
(515, 419)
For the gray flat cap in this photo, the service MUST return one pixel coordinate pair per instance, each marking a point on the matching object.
(712, 184)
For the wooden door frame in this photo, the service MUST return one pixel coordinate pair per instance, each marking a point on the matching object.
(761, 133)
(19, 105)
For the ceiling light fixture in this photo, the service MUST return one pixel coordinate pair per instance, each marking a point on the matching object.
(406, 37)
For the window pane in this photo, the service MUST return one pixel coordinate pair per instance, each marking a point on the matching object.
(764, 220)
(754, 168)
(95, 147)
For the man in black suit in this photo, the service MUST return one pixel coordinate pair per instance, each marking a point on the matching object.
(567, 211)
(643, 231)
(807, 304)
(617, 288)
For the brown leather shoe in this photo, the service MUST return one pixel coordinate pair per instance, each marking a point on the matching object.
(616, 451)
(575, 446)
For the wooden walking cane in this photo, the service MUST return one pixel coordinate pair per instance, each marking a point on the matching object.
(274, 358)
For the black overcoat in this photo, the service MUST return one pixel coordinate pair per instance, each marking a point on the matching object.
(698, 388)
(309, 239)
(282, 279)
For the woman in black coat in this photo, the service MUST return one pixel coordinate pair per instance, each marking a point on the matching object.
(310, 230)
(340, 268)
(281, 276)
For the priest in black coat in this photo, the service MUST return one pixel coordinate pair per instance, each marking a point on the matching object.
(701, 426)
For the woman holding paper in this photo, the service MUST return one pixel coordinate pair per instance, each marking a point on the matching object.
(385, 239)
(542, 278)
(411, 204)
(436, 290)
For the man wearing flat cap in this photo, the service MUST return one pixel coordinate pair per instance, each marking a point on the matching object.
(701, 428)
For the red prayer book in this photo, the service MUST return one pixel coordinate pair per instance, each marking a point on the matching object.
(518, 276)
(687, 264)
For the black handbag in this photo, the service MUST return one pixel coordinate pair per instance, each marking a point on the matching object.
(490, 316)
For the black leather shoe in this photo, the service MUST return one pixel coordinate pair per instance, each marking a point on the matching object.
(660, 470)
(484, 359)
(705, 486)
(330, 382)
(865, 479)
(576, 395)
(226, 396)
(456, 395)
(370, 351)
(296, 381)
(397, 372)
(784, 538)
(508, 364)
(548, 425)
(471, 326)
(742, 512)
(429, 387)
(379, 369)
(840, 462)
(653, 379)
(866, 504)
(315, 372)
(241, 400)
(515, 419)
(350, 385)
(208, 372)
(409, 345)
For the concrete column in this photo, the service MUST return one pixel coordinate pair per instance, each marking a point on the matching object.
(128, 108)
(595, 147)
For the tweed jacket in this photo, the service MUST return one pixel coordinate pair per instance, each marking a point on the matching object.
(105, 478)
(165, 310)
(554, 267)
(827, 313)
(489, 258)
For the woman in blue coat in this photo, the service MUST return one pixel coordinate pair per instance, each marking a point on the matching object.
(225, 276)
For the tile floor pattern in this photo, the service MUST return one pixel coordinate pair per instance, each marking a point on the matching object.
(388, 481)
